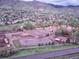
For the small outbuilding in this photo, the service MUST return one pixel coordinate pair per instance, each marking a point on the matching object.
(4, 42)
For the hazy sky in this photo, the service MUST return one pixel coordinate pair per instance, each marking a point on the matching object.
(60, 2)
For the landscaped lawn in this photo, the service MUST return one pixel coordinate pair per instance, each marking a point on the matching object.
(42, 49)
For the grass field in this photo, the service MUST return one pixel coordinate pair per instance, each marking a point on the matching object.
(17, 25)
(9, 27)
(42, 49)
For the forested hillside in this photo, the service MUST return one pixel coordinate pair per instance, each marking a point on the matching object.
(15, 11)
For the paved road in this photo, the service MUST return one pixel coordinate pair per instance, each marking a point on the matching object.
(77, 57)
(50, 54)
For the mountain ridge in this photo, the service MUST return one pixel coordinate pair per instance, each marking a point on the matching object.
(33, 3)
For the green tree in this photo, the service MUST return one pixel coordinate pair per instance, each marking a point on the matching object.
(28, 25)
(62, 32)
(76, 37)
(74, 22)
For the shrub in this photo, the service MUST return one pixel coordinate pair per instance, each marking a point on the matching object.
(62, 32)
(7, 52)
(68, 40)
(49, 43)
(40, 44)
(46, 44)
(28, 25)
(52, 43)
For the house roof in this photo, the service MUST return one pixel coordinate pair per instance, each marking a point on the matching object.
(61, 38)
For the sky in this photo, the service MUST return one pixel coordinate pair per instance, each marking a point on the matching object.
(60, 2)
